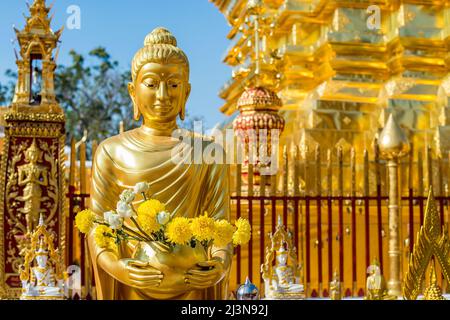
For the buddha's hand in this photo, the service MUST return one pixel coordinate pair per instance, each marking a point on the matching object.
(141, 275)
(205, 274)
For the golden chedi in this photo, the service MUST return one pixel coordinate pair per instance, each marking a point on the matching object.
(159, 90)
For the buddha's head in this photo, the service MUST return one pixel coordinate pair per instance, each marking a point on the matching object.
(160, 80)
(282, 255)
(41, 255)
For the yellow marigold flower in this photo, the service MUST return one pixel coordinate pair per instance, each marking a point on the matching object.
(203, 228)
(224, 233)
(102, 237)
(85, 220)
(147, 215)
(151, 207)
(148, 222)
(243, 232)
(179, 231)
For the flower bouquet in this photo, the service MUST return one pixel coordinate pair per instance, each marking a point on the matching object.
(165, 242)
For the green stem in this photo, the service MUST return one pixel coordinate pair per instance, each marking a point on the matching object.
(149, 237)
(134, 233)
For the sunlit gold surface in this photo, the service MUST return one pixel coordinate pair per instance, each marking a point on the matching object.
(339, 79)
(31, 184)
(32, 175)
(37, 38)
(433, 292)
(159, 92)
(393, 142)
(335, 287)
(393, 146)
(376, 288)
(431, 242)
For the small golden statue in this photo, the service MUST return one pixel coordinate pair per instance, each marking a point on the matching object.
(282, 281)
(376, 288)
(45, 279)
(335, 287)
(433, 292)
(32, 175)
(159, 90)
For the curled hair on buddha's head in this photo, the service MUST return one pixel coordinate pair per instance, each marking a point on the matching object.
(160, 46)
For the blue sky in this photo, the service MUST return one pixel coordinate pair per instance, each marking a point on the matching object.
(121, 26)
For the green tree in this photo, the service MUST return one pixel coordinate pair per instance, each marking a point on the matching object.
(7, 90)
(94, 96)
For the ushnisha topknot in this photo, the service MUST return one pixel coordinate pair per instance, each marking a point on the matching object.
(160, 46)
(160, 36)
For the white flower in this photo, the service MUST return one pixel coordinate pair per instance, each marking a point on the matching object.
(163, 218)
(127, 196)
(113, 219)
(141, 187)
(124, 209)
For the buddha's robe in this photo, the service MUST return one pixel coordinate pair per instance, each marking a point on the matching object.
(187, 189)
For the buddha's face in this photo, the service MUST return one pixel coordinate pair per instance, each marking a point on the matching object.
(41, 261)
(160, 92)
(282, 259)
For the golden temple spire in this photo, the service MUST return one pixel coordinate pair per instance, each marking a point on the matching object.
(432, 243)
(36, 64)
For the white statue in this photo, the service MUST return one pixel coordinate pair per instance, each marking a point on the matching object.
(285, 280)
(41, 281)
(282, 281)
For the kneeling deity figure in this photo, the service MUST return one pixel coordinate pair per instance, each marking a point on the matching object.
(159, 90)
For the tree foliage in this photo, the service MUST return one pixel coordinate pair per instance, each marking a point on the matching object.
(94, 96)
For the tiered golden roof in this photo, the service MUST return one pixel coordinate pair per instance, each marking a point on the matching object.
(341, 67)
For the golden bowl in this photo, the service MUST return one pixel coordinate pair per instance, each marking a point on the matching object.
(173, 264)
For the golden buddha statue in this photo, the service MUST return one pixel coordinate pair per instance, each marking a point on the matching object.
(159, 90)
(376, 288)
(32, 175)
(335, 287)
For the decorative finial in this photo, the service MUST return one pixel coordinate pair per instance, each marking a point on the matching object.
(431, 243)
(41, 220)
(393, 141)
(280, 221)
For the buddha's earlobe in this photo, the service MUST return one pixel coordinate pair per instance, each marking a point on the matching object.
(183, 107)
(136, 112)
(183, 112)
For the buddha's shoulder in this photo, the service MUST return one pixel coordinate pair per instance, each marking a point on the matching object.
(111, 147)
(195, 136)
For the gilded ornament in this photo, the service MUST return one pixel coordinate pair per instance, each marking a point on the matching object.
(432, 243)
